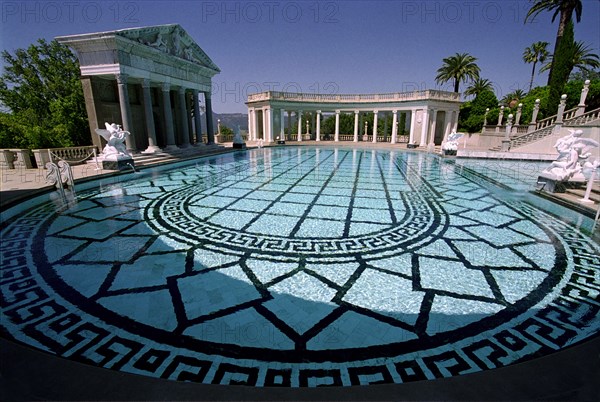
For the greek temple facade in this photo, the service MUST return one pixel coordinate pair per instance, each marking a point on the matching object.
(430, 114)
(151, 81)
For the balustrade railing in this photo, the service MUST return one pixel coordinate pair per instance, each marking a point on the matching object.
(358, 98)
(15, 159)
(72, 155)
(520, 129)
(220, 138)
(401, 138)
(584, 118)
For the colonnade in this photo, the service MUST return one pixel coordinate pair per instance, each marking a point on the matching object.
(187, 111)
(266, 123)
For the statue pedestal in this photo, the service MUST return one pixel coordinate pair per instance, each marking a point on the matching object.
(280, 142)
(118, 162)
(239, 145)
(412, 145)
(553, 185)
(505, 145)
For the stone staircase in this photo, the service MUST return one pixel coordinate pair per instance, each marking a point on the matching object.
(175, 155)
(591, 117)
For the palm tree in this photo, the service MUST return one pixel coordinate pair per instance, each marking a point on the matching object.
(583, 59)
(564, 8)
(457, 68)
(479, 85)
(534, 53)
(513, 98)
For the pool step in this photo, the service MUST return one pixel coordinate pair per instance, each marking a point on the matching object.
(169, 156)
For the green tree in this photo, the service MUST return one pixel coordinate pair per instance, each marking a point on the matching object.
(585, 75)
(535, 53)
(471, 116)
(479, 85)
(511, 99)
(402, 124)
(562, 65)
(346, 124)
(458, 68)
(528, 102)
(226, 130)
(562, 8)
(583, 59)
(41, 92)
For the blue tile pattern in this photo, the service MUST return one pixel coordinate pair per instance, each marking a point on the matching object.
(301, 267)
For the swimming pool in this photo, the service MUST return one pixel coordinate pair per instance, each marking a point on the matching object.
(300, 266)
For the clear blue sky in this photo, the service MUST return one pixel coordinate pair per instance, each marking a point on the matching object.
(326, 46)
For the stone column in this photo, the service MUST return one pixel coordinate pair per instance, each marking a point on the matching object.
(197, 119)
(559, 115)
(336, 137)
(424, 127)
(318, 134)
(250, 124)
(434, 113)
(487, 110)
(394, 127)
(534, 114)
(281, 126)
(289, 123)
(518, 117)
(125, 110)
(210, 131)
(561, 109)
(411, 134)
(149, 118)
(584, 91)
(183, 118)
(268, 136)
(447, 124)
(506, 140)
(500, 117)
(299, 116)
(264, 125)
(355, 139)
(168, 116)
(375, 112)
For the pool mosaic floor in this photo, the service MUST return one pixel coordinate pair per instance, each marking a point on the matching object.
(299, 267)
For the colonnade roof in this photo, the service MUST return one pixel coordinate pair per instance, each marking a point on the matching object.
(347, 102)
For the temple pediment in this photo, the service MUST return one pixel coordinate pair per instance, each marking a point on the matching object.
(171, 39)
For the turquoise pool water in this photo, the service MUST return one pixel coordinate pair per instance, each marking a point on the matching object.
(299, 266)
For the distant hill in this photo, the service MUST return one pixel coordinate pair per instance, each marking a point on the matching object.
(230, 120)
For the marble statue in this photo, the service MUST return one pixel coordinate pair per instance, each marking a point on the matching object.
(573, 158)
(238, 141)
(115, 140)
(115, 155)
(450, 147)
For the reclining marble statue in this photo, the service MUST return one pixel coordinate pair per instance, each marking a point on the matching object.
(115, 155)
(573, 165)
